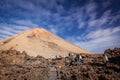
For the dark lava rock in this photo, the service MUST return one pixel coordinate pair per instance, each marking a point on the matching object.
(19, 66)
(15, 65)
(94, 67)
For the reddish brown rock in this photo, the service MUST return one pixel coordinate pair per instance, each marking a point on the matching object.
(19, 66)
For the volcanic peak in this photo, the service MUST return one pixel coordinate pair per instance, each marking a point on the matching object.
(37, 32)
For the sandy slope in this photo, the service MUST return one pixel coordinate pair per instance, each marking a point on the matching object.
(40, 42)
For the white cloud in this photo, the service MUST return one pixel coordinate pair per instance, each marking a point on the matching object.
(82, 13)
(100, 21)
(106, 14)
(114, 19)
(98, 40)
(53, 29)
(81, 25)
(103, 32)
(8, 30)
(91, 7)
(3, 36)
(106, 3)
(26, 23)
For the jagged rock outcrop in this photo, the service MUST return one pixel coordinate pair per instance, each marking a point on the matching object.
(15, 65)
(19, 66)
(94, 67)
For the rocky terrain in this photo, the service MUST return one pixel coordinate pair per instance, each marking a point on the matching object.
(94, 67)
(16, 65)
(19, 66)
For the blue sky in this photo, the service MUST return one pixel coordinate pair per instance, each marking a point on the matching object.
(91, 24)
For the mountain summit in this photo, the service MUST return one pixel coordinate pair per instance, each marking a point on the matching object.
(40, 42)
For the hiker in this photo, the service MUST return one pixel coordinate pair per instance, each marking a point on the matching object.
(81, 60)
(71, 61)
(56, 56)
(77, 58)
(70, 54)
(106, 58)
(61, 55)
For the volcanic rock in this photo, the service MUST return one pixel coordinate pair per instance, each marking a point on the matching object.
(16, 65)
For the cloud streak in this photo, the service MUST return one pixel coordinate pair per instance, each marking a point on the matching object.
(98, 40)
(8, 30)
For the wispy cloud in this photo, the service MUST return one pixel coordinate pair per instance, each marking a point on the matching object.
(90, 7)
(98, 40)
(8, 30)
(104, 19)
(114, 19)
(106, 4)
(26, 23)
(3, 36)
(52, 29)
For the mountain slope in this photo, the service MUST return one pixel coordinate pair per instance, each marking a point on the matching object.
(40, 42)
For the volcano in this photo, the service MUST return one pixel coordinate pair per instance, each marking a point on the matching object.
(40, 42)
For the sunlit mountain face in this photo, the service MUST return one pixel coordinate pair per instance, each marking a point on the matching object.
(91, 24)
(40, 42)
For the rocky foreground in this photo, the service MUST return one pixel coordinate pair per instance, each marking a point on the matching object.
(19, 66)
